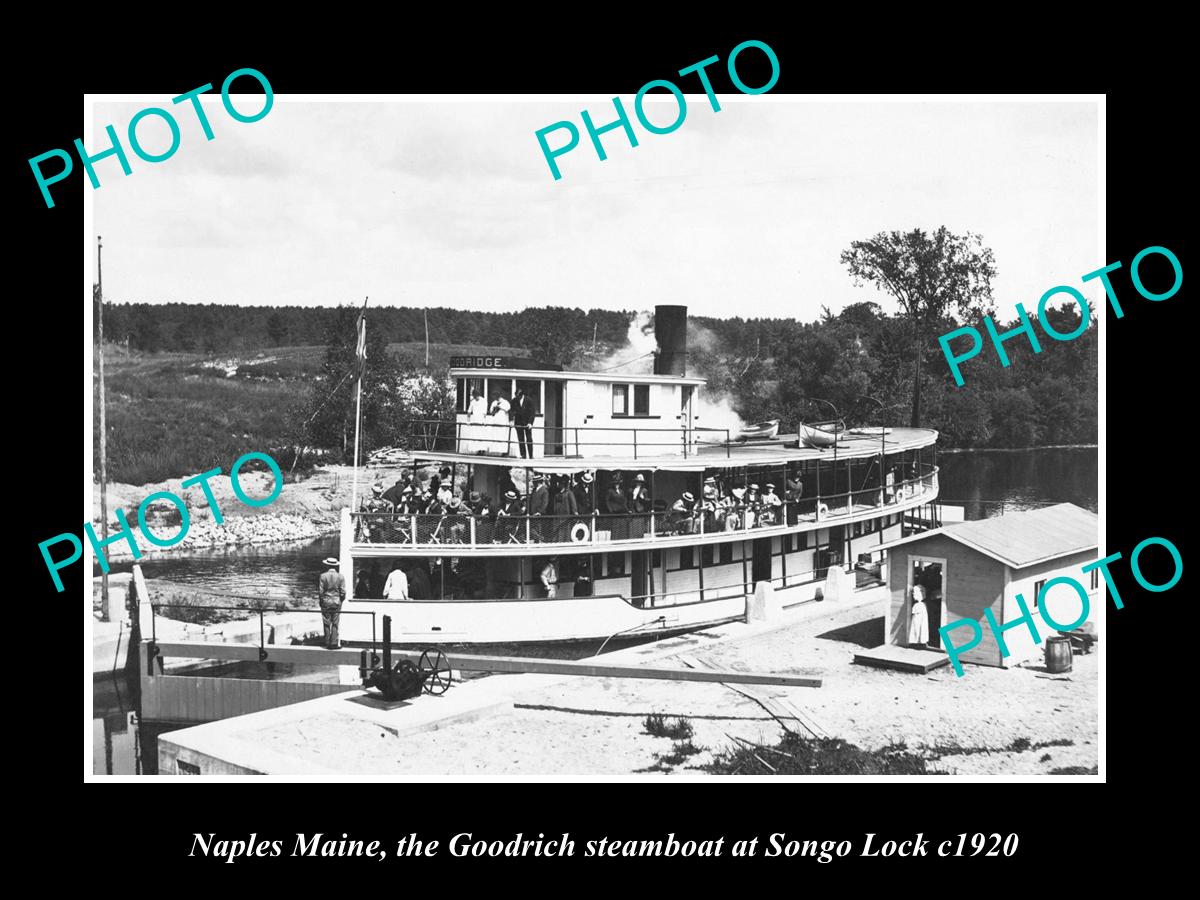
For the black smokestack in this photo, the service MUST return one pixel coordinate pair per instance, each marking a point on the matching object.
(670, 333)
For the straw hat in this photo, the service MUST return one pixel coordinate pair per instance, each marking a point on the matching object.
(331, 561)
(510, 495)
(754, 487)
(586, 478)
(687, 495)
(377, 488)
(710, 480)
(770, 487)
(640, 477)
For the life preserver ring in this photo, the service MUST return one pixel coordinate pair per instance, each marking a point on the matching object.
(822, 510)
(580, 533)
(904, 493)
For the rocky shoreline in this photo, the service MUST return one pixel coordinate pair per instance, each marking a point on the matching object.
(306, 510)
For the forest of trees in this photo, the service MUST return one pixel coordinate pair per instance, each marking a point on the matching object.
(216, 328)
(767, 368)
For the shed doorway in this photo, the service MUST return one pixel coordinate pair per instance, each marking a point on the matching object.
(929, 573)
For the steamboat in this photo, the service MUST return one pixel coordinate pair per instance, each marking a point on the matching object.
(568, 506)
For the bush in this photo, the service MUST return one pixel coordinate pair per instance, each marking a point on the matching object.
(795, 755)
(659, 725)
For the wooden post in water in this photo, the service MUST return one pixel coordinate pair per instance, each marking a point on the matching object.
(103, 432)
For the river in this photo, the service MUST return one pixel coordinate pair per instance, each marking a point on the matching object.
(985, 482)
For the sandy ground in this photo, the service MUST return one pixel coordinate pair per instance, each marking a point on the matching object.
(594, 726)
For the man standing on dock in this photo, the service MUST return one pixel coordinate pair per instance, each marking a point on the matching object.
(331, 594)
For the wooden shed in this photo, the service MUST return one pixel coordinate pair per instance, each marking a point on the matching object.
(968, 567)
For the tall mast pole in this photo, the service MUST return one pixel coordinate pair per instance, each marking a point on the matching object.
(103, 429)
(358, 405)
(426, 311)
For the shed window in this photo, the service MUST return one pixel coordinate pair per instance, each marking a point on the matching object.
(1037, 591)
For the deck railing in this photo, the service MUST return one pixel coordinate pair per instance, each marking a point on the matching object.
(438, 531)
(497, 439)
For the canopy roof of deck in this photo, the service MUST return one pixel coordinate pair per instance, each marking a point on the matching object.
(706, 456)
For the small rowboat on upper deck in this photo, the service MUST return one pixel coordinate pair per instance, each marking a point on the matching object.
(825, 436)
(759, 431)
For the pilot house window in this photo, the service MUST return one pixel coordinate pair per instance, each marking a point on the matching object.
(620, 400)
(641, 400)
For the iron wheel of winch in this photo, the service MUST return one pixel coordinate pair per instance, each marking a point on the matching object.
(436, 668)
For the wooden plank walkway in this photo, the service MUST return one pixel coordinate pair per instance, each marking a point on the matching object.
(790, 716)
(903, 659)
(472, 663)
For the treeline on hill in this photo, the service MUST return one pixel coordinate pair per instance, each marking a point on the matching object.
(775, 368)
(172, 414)
(216, 329)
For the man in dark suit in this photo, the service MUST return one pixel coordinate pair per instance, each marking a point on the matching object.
(522, 413)
(539, 505)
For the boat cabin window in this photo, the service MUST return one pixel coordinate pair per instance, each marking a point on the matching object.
(616, 564)
(621, 401)
(463, 394)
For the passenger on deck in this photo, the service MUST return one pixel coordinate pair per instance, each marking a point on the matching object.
(584, 493)
(753, 504)
(639, 495)
(684, 509)
(498, 424)
(457, 522)
(735, 509)
(523, 412)
(396, 586)
(563, 503)
(539, 505)
(549, 578)
(419, 587)
(395, 494)
(772, 503)
(362, 584)
(508, 519)
(615, 501)
(710, 504)
(795, 490)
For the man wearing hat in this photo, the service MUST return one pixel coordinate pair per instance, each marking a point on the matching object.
(331, 593)
(684, 509)
(539, 505)
(584, 497)
(639, 506)
(771, 503)
(710, 498)
(506, 518)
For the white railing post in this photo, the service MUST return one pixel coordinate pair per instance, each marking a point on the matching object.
(472, 532)
(414, 530)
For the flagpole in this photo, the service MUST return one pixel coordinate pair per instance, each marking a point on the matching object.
(104, 617)
(358, 411)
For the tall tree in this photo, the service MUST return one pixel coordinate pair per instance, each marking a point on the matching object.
(330, 420)
(931, 276)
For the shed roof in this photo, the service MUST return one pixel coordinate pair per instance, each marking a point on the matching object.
(1021, 539)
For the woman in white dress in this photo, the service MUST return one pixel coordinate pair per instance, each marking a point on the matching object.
(472, 433)
(918, 619)
(498, 423)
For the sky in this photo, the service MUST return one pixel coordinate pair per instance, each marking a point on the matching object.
(441, 202)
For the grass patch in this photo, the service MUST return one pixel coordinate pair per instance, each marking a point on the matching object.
(1018, 745)
(659, 725)
(794, 755)
(179, 603)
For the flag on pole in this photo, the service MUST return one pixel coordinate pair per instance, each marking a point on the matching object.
(360, 352)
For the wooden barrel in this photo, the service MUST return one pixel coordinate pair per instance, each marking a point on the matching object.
(1058, 653)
